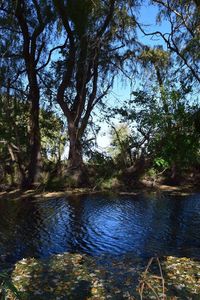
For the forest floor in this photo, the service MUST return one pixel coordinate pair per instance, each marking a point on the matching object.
(79, 277)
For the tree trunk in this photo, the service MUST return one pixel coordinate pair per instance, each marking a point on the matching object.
(35, 159)
(175, 174)
(31, 55)
(75, 148)
(75, 154)
(76, 169)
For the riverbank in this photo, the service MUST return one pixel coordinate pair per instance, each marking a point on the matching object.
(78, 277)
(145, 187)
(114, 276)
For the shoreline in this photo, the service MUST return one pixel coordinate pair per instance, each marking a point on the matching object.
(159, 188)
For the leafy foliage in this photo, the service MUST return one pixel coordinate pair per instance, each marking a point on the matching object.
(65, 56)
(6, 286)
(165, 130)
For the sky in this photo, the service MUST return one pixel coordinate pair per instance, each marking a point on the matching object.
(121, 90)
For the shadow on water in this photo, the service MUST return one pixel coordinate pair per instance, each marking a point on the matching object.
(142, 226)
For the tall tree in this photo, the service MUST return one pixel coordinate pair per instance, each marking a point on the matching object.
(28, 20)
(96, 38)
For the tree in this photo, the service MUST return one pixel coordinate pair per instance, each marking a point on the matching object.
(14, 149)
(184, 34)
(13, 132)
(53, 136)
(121, 146)
(28, 20)
(96, 40)
(184, 37)
(164, 130)
(96, 37)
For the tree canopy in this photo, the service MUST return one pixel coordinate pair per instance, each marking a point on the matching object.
(59, 63)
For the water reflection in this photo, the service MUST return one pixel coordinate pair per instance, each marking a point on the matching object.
(142, 226)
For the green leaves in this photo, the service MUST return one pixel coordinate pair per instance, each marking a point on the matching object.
(7, 285)
(164, 125)
(156, 56)
(161, 163)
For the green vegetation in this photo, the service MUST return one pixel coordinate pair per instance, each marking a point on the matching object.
(57, 72)
(165, 130)
(60, 62)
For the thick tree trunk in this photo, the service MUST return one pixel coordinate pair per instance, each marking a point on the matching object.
(75, 157)
(76, 168)
(34, 148)
(75, 154)
(31, 54)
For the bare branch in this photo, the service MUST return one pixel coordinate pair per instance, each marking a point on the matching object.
(50, 54)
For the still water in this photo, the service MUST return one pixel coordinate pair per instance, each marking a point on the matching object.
(142, 226)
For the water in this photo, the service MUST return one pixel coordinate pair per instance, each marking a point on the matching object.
(142, 226)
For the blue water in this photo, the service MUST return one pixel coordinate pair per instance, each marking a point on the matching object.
(142, 226)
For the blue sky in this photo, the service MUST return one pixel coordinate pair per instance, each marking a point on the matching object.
(148, 14)
(121, 89)
(147, 18)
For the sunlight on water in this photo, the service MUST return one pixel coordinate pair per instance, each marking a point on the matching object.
(142, 226)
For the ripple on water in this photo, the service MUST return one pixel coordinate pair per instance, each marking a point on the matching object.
(143, 226)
